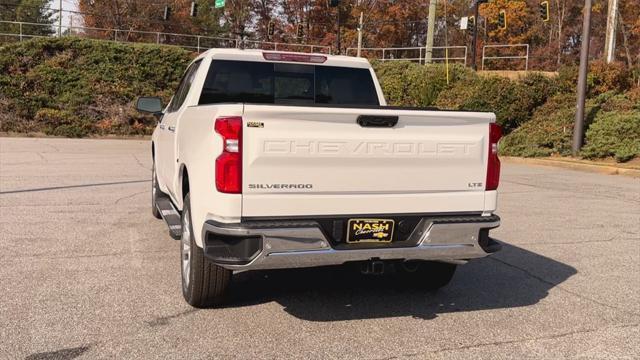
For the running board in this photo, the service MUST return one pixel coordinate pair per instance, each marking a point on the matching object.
(171, 216)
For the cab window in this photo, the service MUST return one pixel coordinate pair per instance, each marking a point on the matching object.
(282, 83)
(183, 89)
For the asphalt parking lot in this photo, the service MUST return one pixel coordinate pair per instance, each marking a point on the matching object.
(86, 271)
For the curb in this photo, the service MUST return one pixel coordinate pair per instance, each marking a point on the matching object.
(580, 165)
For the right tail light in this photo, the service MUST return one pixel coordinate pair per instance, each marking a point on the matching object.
(493, 166)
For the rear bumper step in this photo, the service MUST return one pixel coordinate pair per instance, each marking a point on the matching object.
(302, 243)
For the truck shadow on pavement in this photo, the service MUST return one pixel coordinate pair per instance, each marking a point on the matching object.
(514, 277)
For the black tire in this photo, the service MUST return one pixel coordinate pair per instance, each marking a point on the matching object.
(155, 193)
(207, 284)
(428, 275)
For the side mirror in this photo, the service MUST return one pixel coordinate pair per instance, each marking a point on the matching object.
(149, 104)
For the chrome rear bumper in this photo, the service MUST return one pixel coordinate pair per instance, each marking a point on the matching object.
(297, 244)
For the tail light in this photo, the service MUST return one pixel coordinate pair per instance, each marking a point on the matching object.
(229, 163)
(493, 166)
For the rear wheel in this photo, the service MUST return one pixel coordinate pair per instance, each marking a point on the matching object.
(155, 193)
(430, 275)
(204, 283)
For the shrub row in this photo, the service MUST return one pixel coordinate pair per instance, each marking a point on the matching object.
(512, 101)
(77, 87)
(411, 84)
(613, 128)
(614, 134)
(549, 131)
(536, 112)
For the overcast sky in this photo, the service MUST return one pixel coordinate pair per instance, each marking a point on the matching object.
(67, 5)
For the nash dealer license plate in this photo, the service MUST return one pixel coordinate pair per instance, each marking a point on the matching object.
(370, 230)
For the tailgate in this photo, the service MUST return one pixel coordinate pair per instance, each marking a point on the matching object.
(300, 161)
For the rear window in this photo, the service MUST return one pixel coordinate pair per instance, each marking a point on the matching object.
(277, 83)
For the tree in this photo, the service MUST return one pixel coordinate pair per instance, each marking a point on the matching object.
(148, 16)
(391, 23)
(264, 11)
(387, 23)
(209, 21)
(29, 11)
(238, 14)
(629, 35)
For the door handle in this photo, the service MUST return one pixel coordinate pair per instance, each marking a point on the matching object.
(377, 121)
(161, 126)
(172, 128)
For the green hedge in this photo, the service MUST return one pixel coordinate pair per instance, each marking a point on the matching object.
(77, 87)
(409, 84)
(536, 112)
(613, 122)
(549, 132)
(614, 134)
(602, 78)
(513, 101)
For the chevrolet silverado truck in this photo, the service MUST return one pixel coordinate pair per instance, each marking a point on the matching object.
(274, 160)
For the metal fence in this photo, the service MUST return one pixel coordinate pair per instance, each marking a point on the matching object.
(417, 54)
(509, 56)
(19, 31)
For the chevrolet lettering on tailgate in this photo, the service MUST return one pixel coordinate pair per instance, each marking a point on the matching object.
(409, 148)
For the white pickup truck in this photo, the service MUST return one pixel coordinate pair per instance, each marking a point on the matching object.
(268, 160)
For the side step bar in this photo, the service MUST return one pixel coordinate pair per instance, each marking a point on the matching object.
(171, 216)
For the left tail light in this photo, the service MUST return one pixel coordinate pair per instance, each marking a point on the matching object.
(229, 163)
(493, 165)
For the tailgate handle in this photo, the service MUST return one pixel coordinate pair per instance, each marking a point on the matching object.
(377, 121)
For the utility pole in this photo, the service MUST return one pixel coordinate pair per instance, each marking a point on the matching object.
(430, 31)
(578, 128)
(336, 4)
(360, 33)
(474, 40)
(338, 29)
(60, 20)
(612, 20)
